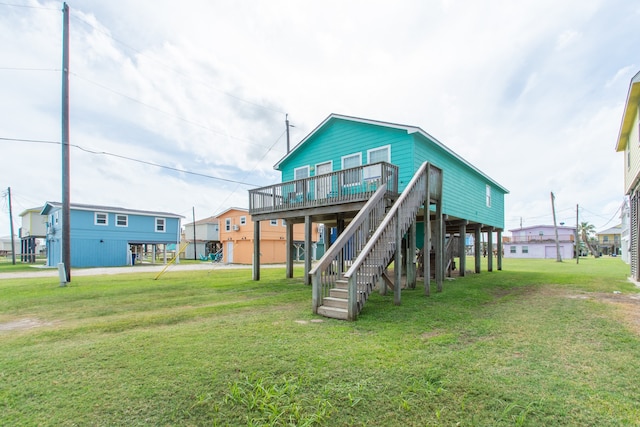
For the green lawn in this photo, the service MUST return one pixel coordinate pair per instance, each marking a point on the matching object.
(539, 343)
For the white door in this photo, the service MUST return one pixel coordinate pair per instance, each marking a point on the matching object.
(229, 252)
(323, 184)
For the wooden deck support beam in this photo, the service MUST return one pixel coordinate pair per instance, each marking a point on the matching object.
(462, 249)
(499, 234)
(490, 249)
(256, 250)
(411, 257)
(307, 249)
(477, 245)
(289, 249)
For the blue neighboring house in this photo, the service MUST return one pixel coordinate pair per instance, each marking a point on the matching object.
(106, 236)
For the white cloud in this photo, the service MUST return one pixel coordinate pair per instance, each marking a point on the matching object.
(531, 93)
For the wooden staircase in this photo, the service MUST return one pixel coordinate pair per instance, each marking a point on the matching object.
(367, 247)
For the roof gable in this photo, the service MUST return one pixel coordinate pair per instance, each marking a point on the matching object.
(630, 112)
(408, 129)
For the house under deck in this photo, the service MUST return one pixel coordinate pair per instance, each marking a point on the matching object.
(372, 218)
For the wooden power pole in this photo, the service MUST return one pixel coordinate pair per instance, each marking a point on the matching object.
(555, 227)
(66, 204)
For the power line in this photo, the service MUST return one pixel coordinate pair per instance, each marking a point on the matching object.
(29, 69)
(28, 7)
(105, 153)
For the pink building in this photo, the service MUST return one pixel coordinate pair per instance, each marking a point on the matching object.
(539, 241)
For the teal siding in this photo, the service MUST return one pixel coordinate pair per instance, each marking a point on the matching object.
(339, 139)
(464, 188)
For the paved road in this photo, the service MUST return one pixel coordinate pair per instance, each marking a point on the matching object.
(140, 268)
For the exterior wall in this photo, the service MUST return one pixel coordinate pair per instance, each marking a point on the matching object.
(632, 156)
(539, 242)
(464, 189)
(273, 243)
(33, 224)
(105, 245)
(538, 250)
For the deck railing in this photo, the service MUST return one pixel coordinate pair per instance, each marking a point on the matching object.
(343, 186)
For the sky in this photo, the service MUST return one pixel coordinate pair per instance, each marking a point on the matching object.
(181, 106)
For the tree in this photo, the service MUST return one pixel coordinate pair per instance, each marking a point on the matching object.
(586, 232)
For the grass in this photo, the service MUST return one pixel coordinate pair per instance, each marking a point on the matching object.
(539, 343)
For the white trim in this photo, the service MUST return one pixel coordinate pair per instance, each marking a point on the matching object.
(488, 195)
(106, 218)
(227, 224)
(359, 154)
(295, 171)
(273, 222)
(164, 225)
(243, 220)
(126, 220)
(330, 163)
(388, 147)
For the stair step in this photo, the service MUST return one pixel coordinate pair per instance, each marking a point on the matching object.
(342, 284)
(339, 293)
(335, 302)
(333, 312)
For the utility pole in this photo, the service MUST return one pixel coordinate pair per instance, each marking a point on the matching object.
(13, 243)
(286, 122)
(66, 204)
(193, 209)
(577, 240)
(555, 227)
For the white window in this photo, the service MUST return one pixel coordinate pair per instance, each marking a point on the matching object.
(513, 249)
(274, 222)
(243, 220)
(351, 177)
(300, 173)
(525, 249)
(375, 155)
(227, 224)
(488, 193)
(380, 154)
(122, 220)
(284, 222)
(160, 225)
(101, 218)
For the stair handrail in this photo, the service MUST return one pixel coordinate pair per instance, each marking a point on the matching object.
(387, 219)
(375, 203)
(415, 191)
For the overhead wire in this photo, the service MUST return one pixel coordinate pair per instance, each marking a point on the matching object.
(106, 153)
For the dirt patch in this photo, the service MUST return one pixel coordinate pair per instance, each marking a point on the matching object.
(628, 306)
(22, 324)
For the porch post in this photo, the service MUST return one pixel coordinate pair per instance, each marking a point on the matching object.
(411, 257)
(490, 249)
(307, 249)
(397, 264)
(426, 250)
(477, 243)
(462, 248)
(439, 247)
(499, 250)
(256, 250)
(289, 249)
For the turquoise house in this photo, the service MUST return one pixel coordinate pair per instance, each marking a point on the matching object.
(337, 169)
(105, 236)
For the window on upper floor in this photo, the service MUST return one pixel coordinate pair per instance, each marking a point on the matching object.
(243, 220)
(122, 220)
(100, 218)
(160, 225)
(375, 155)
(488, 195)
(227, 224)
(351, 161)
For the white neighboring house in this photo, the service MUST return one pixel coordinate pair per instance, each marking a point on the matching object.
(625, 231)
(629, 142)
(207, 238)
(5, 245)
(539, 241)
